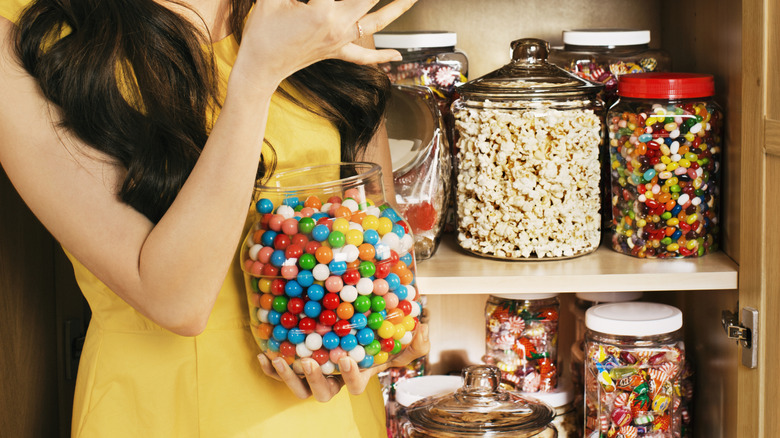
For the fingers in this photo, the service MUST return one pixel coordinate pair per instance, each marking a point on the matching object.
(419, 347)
(378, 20)
(322, 388)
(354, 379)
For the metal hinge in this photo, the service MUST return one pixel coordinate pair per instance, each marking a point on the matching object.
(745, 332)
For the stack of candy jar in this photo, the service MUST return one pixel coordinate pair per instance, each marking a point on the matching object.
(665, 138)
(522, 340)
(329, 268)
(634, 358)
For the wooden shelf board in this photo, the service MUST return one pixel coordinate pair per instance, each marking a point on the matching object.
(453, 270)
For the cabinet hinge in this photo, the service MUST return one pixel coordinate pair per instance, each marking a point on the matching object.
(745, 332)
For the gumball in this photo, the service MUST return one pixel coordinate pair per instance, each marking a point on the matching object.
(320, 355)
(348, 342)
(370, 222)
(331, 301)
(381, 357)
(278, 258)
(391, 302)
(266, 301)
(320, 232)
(354, 237)
(375, 320)
(405, 307)
(324, 255)
(313, 202)
(280, 303)
(364, 336)
(328, 317)
(274, 317)
(397, 348)
(311, 246)
(409, 323)
(336, 354)
(293, 289)
(367, 362)
(373, 347)
(295, 305)
(384, 226)
(351, 277)
(287, 349)
(351, 254)
(312, 309)
(364, 286)
(345, 311)
(315, 292)
(377, 304)
(288, 320)
(358, 321)
(279, 333)
(341, 225)
(320, 272)
(362, 304)
(305, 278)
(366, 268)
(366, 251)
(380, 287)
(293, 250)
(307, 261)
(387, 344)
(264, 206)
(296, 336)
(371, 237)
(337, 267)
(386, 330)
(395, 316)
(330, 340)
(334, 284)
(357, 353)
(301, 350)
(400, 331)
(307, 325)
(382, 270)
(342, 327)
(289, 272)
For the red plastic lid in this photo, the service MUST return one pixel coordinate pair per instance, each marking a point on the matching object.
(666, 85)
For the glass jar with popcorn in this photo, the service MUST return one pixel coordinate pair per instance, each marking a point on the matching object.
(528, 171)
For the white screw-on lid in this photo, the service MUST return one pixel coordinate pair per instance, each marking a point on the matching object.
(417, 388)
(606, 37)
(609, 297)
(633, 319)
(538, 296)
(414, 40)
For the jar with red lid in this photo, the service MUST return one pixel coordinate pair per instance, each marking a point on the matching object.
(665, 142)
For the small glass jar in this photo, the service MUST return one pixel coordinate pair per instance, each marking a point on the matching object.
(528, 160)
(562, 399)
(421, 164)
(521, 333)
(665, 144)
(412, 390)
(634, 356)
(603, 55)
(329, 268)
(481, 409)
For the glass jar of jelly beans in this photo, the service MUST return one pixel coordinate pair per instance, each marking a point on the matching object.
(634, 355)
(329, 268)
(521, 340)
(665, 143)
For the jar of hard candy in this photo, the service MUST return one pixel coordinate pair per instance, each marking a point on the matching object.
(521, 333)
(634, 355)
(422, 167)
(329, 268)
(528, 160)
(481, 408)
(603, 55)
(666, 139)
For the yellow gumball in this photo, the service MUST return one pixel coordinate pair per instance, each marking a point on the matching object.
(400, 331)
(354, 237)
(385, 226)
(386, 330)
(380, 358)
(264, 285)
(370, 222)
(341, 225)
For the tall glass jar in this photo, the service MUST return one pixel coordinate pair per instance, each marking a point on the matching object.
(329, 268)
(666, 139)
(603, 55)
(521, 339)
(634, 358)
(528, 160)
(422, 168)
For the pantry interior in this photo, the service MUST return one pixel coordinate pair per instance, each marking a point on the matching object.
(43, 314)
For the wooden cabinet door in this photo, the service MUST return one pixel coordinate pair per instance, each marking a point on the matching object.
(759, 275)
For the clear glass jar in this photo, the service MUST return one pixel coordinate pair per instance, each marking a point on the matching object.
(528, 160)
(634, 356)
(412, 390)
(666, 140)
(603, 55)
(421, 164)
(521, 333)
(481, 409)
(329, 268)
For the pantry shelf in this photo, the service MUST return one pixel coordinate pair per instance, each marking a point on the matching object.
(453, 270)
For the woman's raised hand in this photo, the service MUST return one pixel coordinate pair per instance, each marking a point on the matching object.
(284, 36)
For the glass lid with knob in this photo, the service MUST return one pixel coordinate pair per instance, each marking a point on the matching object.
(528, 76)
(481, 409)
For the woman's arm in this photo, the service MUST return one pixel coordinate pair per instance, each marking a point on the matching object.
(172, 271)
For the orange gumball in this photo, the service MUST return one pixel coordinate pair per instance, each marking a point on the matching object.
(396, 316)
(366, 251)
(406, 276)
(324, 254)
(264, 331)
(344, 212)
(353, 264)
(257, 235)
(345, 310)
(266, 301)
(358, 217)
(313, 202)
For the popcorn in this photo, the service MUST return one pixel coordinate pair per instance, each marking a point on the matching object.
(528, 180)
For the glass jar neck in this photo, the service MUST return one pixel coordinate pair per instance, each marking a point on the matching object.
(634, 341)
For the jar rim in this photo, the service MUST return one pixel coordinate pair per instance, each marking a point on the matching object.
(606, 37)
(415, 40)
(654, 85)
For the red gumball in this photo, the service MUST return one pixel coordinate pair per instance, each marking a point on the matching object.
(288, 320)
(387, 344)
(286, 348)
(307, 325)
(405, 306)
(382, 269)
(342, 327)
(351, 277)
(270, 270)
(295, 305)
(293, 251)
(327, 317)
(299, 239)
(321, 356)
(311, 247)
(281, 241)
(277, 286)
(331, 301)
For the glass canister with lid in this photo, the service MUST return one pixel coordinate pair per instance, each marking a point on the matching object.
(528, 160)
(481, 408)
(665, 143)
(603, 55)
(521, 339)
(634, 358)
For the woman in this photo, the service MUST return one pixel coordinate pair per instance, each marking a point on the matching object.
(133, 130)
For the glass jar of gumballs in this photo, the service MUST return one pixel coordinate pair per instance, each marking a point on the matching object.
(634, 356)
(521, 334)
(665, 143)
(329, 268)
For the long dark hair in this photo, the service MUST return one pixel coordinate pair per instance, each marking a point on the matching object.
(86, 53)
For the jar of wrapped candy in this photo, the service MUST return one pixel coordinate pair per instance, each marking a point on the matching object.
(421, 164)
(603, 55)
(634, 356)
(329, 268)
(528, 160)
(481, 408)
(666, 139)
(521, 334)
(429, 59)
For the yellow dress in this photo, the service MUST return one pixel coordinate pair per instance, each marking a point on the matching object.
(136, 379)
